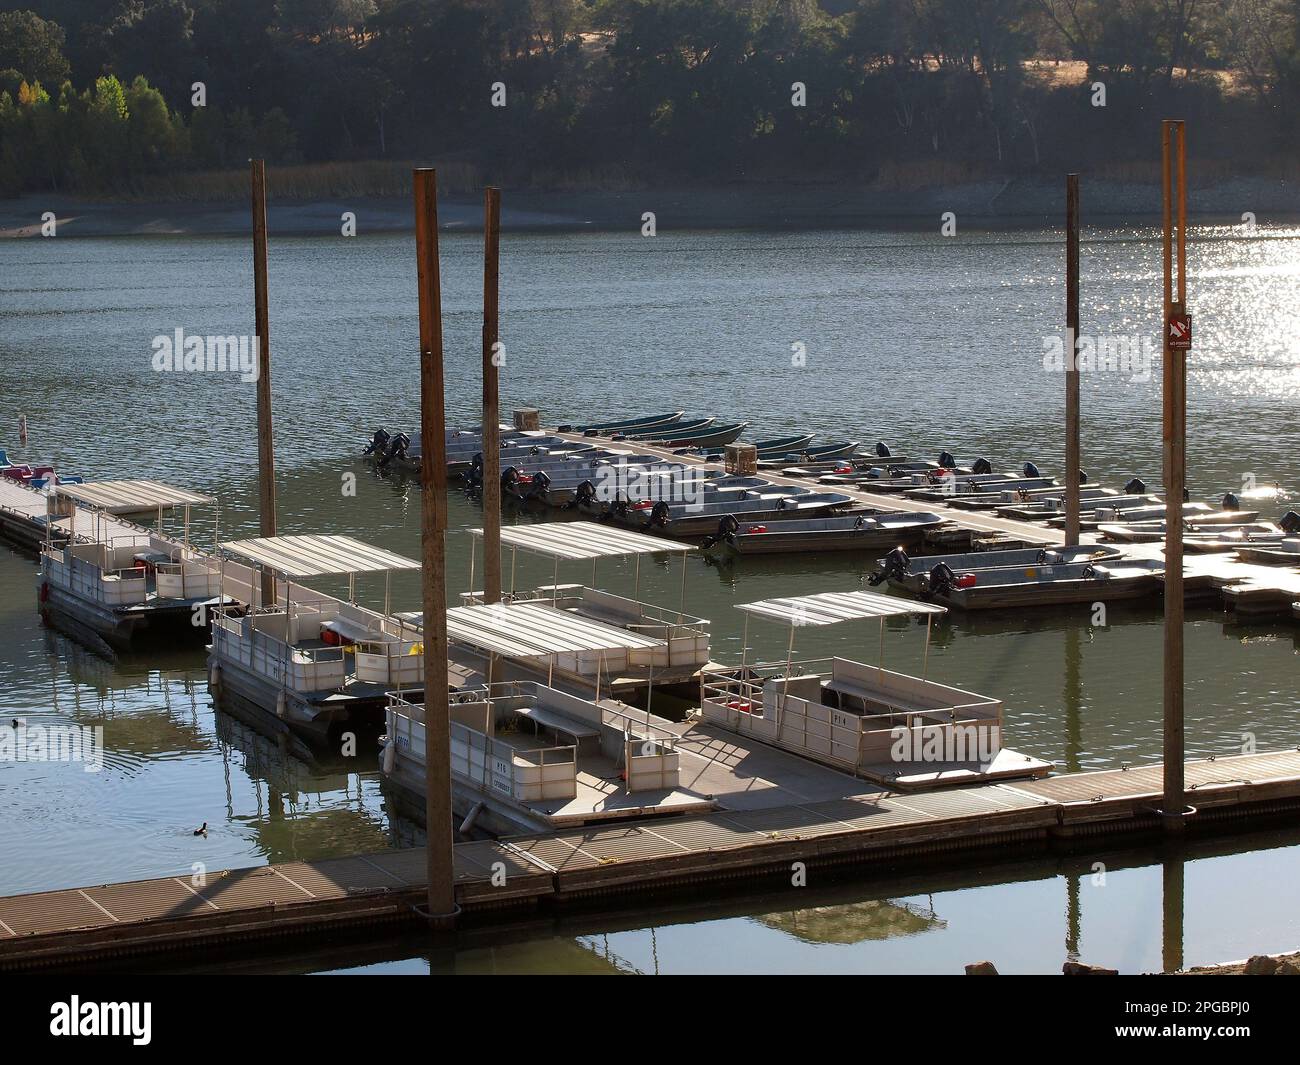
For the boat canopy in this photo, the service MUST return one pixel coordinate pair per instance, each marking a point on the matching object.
(534, 630)
(130, 495)
(577, 540)
(317, 556)
(830, 608)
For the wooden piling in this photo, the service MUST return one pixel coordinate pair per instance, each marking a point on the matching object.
(1175, 440)
(1072, 367)
(491, 402)
(433, 525)
(262, 327)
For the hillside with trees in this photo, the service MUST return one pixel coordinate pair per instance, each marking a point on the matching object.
(100, 97)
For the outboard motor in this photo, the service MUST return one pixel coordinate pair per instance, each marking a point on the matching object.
(1290, 522)
(1135, 487)
(896, 566)
(881, 450)
(540, 484)
(396, 450)
(947, 461)
(1083, 477)
(982, 465)
(1231, 502)
(658, 516)
(942, 579)
(377, 442)
(584, 495)
(1031, 470)
(1187, 494)
(1047, 557)
(509, 478)
(567, 429)
(861, 522)
(727, 526)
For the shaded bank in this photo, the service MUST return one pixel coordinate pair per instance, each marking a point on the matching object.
(775, 206)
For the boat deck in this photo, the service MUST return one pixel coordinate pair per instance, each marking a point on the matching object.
(72, 926)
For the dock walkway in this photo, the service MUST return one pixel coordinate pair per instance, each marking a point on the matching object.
(77, 925)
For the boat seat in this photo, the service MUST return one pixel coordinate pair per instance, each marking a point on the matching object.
(584, 736)
(351, 631)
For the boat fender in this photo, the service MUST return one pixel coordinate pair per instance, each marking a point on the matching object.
(214, 678)
(947, 461)
(982, 465)
(280, 705)
(757, 529)
(881, 450)
(1231, 502)
(45, 591)
(1031, 470)
(390, 754)
(1135, 487)
(1290, 522)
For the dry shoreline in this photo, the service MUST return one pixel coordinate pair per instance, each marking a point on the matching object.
(995, 204)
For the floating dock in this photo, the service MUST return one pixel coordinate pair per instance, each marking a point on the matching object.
(100, 923)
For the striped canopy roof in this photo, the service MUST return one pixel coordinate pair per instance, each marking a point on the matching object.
(132, 495)
(317, 556)
(576, 540)
(830, 608)
(533, 630)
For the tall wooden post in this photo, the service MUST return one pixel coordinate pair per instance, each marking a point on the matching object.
(1072, 367)
(262, 327)
(433, 527)
(491, 402)
(1175, 470)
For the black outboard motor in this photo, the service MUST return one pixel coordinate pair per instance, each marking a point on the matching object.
(1135, 487)
(589, 432)
(509, 478)
(396, 450)
(584, 495)
(539, 486)
(947, 461)
(1031, 470)
(1046, 556)
(942, 579)
(377, 442)
(896, 566)
(658, 516)
(982, 465)
(566, 429)
(1083, 477)
(1187, 494)
(881, 450)
(1231, 502)
(1290, 522)
(727, 527)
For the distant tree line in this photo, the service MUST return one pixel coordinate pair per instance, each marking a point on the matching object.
(96, 95)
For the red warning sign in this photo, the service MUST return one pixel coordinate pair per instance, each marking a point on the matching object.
(1180, 332)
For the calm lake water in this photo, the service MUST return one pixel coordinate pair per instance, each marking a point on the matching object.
(926, 343)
